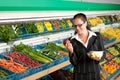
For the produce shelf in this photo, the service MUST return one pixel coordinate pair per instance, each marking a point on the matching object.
(57, 67)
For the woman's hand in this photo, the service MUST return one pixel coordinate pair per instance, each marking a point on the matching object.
(69, 46)
(97, 59)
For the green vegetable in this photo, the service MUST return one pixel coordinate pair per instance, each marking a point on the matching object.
(63, 23)
(40, 26)
(31, 28)
(7, 33)
(32, 53)
(18, 29)
(51, 49)
(3, 73)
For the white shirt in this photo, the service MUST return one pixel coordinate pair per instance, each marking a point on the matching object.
(90, 35)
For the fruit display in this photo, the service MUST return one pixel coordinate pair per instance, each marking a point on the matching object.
(56, 24)
(111, 32)
(113, 51)
(117, 59)
(68, 21)
(40, 26)
(48, 25)
(108, 55)
(111, 66)
(99, 20)
(92, 21)
(103, 61)
(23, 58)
(118, 45)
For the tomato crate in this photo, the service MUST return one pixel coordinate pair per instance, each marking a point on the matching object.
(23, 58)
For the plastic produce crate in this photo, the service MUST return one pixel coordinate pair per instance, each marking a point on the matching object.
(56, 25)
(109, 41)
(69, 23)
(11, 75)
(112, 75)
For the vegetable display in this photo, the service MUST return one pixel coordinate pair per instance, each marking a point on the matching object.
(23, 58)
(3, 73)
(7, 33)
(32, 53)
(40, 26)
(56, 24)
(51, 49)
(31, 28)
(11, 65)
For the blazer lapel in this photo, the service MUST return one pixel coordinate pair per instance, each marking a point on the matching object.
(91, 42)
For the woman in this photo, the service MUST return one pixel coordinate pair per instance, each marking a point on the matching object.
(80, 45)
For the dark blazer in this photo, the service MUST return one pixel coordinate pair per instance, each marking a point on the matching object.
(79, 58)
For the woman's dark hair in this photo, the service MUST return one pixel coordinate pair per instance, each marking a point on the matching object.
(83, 18)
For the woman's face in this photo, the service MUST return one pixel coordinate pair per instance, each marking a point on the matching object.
(79, 25)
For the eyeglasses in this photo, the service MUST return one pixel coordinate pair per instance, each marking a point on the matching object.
(79, 25)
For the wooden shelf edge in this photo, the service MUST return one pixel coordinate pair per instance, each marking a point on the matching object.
(117, 41)
(47, 71)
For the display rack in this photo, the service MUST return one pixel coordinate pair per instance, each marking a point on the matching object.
(48, 37)
(57, 67)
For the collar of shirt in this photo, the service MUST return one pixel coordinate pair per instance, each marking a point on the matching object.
(90, 35)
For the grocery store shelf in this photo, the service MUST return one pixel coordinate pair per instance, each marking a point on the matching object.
(57, 67)
(47, 71)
